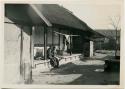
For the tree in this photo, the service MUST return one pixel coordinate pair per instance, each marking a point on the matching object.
(115, 23)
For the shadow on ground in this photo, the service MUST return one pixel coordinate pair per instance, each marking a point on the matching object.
(89, 75)
(86, 71)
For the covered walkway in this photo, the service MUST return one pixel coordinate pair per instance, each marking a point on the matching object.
(23, 21)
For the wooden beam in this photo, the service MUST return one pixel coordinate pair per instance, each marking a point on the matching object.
(65, 34)
(41, 15)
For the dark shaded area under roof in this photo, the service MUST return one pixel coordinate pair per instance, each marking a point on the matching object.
(57, 15)
(22, 14)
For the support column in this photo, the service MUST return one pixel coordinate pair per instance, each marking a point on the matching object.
(70, 45)
(21, 55)
(91, 48)
(27, 54)
(100, 45)
(116, 44)
(45, 43)
(59, 41)
(52, 36)
(32, 46)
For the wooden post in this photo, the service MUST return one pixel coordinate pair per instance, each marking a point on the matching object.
(116, 44)
(59, 41)
(31, 52)
(70, 45)
(45, 43)
(52, 36)
(27, 54)
(21, 55)
(100, 45)
(32, 46)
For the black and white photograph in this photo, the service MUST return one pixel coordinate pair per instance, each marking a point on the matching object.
(63, 43)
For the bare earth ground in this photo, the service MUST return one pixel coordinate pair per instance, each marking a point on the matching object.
(78, 72)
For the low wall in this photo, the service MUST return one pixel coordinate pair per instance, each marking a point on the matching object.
(63, 60)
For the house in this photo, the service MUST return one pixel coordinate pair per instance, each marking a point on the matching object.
(29, 26)
(109, 41)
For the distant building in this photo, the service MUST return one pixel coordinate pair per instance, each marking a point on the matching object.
(109, 42)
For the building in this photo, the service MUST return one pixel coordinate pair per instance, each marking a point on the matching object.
(30, 26)
(109, 41)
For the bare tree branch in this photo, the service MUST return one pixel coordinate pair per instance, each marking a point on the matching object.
(115, 22)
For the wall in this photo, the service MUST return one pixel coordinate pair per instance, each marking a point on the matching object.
(84, 46)
(39, 36)
(77, 44)
(17, 66)
(11, 53)
(52, 38)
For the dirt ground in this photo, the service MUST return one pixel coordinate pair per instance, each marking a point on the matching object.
(78, 72)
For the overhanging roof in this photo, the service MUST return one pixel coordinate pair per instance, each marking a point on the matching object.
(22, 14)
(55, 14)
(60, 16)
(109, 33)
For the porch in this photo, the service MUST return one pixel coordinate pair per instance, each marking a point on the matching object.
(62, 60)
(22, 21)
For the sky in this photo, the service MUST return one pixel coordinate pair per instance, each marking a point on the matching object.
(96, 13)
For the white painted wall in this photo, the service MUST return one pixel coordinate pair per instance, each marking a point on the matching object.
(12, 42)
(11, 53)
(91, 48)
